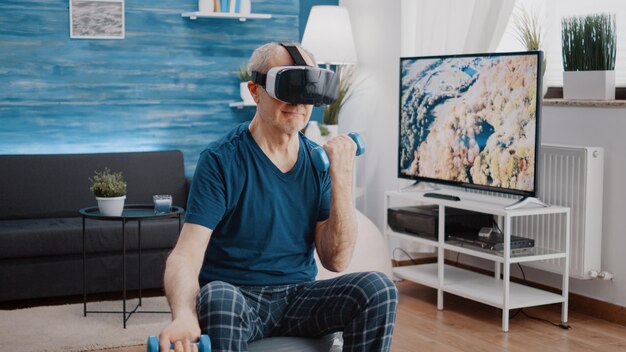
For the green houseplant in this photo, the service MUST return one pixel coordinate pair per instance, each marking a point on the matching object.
(589, 47)
(332, 111)
(110, 191)
(244, 92)
(529, 32)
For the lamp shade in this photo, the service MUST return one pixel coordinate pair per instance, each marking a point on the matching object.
(328, 35)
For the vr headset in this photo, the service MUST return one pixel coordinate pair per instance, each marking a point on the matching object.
(299, 84)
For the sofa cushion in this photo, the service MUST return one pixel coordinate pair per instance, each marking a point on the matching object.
(52, 186)
(49, 237)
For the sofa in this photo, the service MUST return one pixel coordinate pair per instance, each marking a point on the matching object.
(41, 228)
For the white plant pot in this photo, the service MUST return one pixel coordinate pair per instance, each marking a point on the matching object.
(333, 131)
(245, 94)
(313, 133)
(589, 85)
(112, 206)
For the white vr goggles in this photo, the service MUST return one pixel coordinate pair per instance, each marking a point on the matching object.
(299, 84)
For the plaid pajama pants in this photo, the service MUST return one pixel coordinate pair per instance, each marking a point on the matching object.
(361, 305)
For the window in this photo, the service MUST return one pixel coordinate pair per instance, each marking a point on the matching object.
(552, 11)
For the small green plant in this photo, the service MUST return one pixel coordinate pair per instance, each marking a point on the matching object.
(346, 89)
(589, 42)
(528, 28)
(108, 184)
(243, 74)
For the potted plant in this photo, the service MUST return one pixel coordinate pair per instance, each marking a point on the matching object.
(589, 45)
(110, 191)
(529, 33)
(332, 111)
(244, 92)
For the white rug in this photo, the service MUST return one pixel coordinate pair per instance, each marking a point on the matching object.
(63, 328)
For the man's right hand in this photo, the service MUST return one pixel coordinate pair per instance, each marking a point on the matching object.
(183, 333)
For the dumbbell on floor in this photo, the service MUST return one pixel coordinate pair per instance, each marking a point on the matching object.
(204, 344)
(320, 158)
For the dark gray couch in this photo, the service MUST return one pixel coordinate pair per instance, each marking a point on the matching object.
(40, 227)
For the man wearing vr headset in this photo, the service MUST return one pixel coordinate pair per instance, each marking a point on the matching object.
(243, 268)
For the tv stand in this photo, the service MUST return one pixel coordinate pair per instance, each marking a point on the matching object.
(525, 201)
(496, 290)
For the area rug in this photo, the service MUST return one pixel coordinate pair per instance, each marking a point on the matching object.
(63, 328)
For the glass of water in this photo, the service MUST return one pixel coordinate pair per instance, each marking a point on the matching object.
(162, 203)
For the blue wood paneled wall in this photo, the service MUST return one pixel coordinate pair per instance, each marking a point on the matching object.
(166, 86)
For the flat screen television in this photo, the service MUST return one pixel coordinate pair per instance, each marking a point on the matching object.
(471, 120)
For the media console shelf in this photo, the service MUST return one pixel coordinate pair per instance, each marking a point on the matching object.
(497, 291)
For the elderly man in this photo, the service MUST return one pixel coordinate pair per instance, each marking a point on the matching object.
(243, 268)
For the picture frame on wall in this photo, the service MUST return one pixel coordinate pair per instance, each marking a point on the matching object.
(97, 19)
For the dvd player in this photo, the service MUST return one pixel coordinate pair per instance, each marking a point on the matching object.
(494, 242)
(423, 220)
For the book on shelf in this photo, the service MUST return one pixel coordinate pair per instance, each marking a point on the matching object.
(234, 6)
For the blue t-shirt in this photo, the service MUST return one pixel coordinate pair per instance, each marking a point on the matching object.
(263, 220)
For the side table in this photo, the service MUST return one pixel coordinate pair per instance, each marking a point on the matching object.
(132, 212)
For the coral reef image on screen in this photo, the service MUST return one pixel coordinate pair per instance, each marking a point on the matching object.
(470, 120)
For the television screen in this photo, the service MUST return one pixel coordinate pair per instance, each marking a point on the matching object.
(471, 120)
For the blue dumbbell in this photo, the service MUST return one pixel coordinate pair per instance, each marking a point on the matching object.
(320, 158)
(204, 344)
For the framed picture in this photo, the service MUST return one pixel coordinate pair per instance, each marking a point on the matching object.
(97, 19)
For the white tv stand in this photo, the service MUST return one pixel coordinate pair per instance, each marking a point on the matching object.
(495, 291)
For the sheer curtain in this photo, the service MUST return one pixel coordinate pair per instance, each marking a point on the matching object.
(434, 27)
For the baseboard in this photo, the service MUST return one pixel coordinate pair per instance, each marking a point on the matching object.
(590, 306)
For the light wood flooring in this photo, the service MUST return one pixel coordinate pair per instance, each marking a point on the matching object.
(465, 325)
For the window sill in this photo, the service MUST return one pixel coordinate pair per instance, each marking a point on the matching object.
(554, 97)
(585, 103)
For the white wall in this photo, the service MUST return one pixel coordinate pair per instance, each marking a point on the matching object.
(603, 127)
(374, 107)
(376, 26)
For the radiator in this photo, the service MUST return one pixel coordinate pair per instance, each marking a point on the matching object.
(569, 176)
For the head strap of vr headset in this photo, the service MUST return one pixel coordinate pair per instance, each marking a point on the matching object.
(260, 78)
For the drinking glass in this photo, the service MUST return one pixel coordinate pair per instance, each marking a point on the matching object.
(162, 203)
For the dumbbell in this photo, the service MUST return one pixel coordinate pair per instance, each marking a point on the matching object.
(320, 158)
(204, 344)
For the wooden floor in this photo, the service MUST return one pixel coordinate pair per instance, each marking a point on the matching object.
(465, 325)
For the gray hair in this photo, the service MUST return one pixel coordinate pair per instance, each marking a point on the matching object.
(259, 61)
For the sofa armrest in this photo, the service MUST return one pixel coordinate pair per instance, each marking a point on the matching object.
(187, 186)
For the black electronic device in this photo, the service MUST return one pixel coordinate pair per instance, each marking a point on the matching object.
(442, 196)
(299, 83)
(423, 220)
(471, 120)
(493, 242)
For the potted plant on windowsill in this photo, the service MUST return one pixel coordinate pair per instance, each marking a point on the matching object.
(244, 92)
(529, 32)
(110, 191)
(589, 46)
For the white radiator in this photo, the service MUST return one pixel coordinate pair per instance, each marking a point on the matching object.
(569, 176)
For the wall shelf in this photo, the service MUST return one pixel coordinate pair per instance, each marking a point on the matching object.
(240, 105)
(241, 16)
